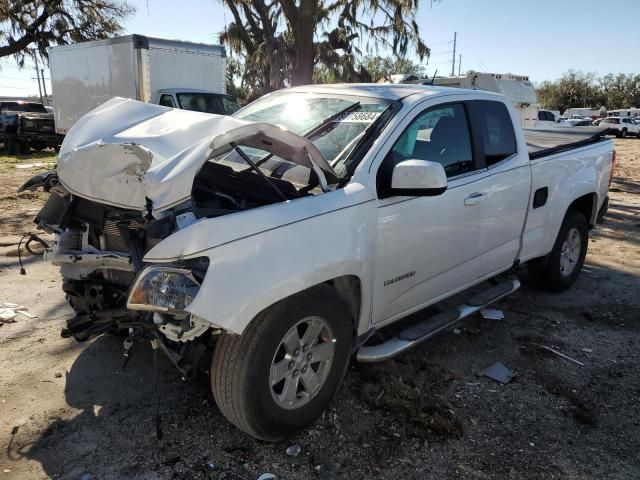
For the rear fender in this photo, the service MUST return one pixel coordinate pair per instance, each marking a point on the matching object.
(568, 178)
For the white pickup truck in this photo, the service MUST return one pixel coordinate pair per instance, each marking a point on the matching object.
(289, 233)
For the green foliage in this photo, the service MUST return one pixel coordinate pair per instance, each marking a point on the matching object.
(287, 42)
(382, 67)
(29, 27)
(579, 89)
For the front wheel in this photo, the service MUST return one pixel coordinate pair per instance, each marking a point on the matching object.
(558, 271)
(282, 372)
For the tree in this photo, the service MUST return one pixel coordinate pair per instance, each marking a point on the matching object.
(282, 42)
(29, 27)
(621, 91)
(578, 89)
(573, 89)
(382, 67)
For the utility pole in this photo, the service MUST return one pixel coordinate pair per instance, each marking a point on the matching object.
(453, 63)
(38, 75)
(459, 64)
(44, 87)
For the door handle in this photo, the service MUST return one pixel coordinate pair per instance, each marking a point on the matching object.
(476, 198)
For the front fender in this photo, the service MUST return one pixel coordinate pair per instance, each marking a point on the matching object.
(247, 275)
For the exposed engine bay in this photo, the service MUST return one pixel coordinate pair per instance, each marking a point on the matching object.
(100, 248)
(119, 190)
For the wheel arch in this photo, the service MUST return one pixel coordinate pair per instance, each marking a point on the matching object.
(587, 205)
(349, 287)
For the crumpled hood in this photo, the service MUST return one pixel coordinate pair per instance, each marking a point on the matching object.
(110, 154)
(126, 151)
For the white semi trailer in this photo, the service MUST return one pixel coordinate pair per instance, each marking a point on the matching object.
(172, 73)
(517, 88)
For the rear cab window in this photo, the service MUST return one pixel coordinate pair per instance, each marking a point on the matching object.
(494, 130)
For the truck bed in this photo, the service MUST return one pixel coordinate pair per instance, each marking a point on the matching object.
(547, 141)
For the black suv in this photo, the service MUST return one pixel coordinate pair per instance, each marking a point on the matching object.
(26, 125)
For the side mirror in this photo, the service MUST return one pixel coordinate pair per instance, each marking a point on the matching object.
(418, 178)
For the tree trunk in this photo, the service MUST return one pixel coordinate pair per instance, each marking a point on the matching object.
(302, 73)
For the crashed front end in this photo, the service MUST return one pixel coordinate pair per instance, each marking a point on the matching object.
(117, 194)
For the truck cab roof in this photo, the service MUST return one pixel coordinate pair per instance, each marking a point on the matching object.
(386, 91)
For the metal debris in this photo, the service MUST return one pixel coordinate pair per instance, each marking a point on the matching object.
(498, 372)
(294, 450)
(492, 314)
(562, 355)
(267, 476)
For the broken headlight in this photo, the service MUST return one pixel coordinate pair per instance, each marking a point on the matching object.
(163, 289)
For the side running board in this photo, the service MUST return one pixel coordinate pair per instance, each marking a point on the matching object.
(422, 331)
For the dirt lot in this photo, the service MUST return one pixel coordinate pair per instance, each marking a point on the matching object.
(67, 412)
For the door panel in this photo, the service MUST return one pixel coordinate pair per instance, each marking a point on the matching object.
(430, 247)
(426, 247)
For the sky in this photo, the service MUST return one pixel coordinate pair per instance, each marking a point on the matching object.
(539, 38)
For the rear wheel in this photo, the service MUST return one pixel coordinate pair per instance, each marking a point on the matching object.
(558, 270)
(282, 372)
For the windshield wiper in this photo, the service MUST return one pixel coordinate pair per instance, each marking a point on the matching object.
(330, 119)
(254, 166)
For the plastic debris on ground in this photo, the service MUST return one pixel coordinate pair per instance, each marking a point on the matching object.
(492, 314)
(498, 372)
(26, 166)
(9, 311)
(267, 476)
(294, 450)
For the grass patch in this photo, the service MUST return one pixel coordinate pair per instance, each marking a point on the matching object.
(45, 156)
(8, 162)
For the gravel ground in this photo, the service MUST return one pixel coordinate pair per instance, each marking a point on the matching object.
(66, 410)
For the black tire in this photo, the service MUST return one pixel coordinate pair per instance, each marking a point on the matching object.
(14, 147)
(241, 365)
(547, 271)
(623, 133)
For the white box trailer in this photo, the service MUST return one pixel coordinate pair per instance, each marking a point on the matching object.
(517, 88)
(582, 112)
(625, 112)
(85, 75)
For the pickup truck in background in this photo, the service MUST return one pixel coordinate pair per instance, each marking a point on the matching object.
(621, 126)
(173, 73)
(289, 236)
(546, 118)
(25, 125)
